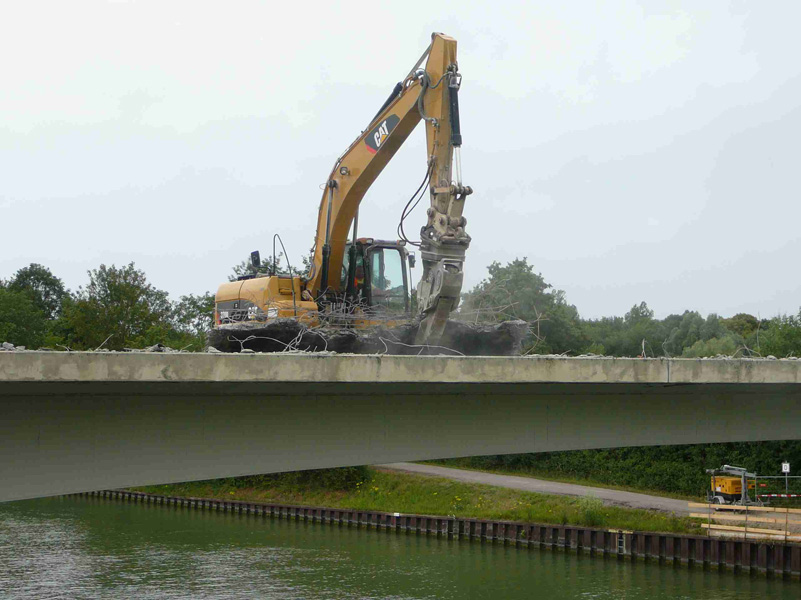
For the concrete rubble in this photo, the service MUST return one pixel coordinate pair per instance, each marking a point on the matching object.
(288, 336)
(282, 335)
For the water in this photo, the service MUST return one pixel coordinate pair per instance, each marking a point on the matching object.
(92, 548)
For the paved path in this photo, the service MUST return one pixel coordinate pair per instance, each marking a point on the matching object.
(529, 484)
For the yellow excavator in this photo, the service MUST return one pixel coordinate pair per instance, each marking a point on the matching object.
(362, 281)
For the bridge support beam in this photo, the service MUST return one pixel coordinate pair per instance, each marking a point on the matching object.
(124, 420)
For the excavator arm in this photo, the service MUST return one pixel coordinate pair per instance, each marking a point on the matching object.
(431, 95)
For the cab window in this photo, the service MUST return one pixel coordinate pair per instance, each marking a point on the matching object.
(387, 283)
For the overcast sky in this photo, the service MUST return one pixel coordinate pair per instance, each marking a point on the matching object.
(631, 150)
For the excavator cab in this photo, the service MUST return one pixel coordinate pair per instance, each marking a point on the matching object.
(379, 278)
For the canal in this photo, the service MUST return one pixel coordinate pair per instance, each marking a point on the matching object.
(93, 548)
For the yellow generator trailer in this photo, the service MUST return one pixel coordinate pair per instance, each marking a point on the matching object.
(730, 485)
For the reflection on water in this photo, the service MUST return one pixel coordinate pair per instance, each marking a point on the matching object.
(94, 548)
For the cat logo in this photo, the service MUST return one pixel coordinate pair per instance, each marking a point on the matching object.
(376, 137)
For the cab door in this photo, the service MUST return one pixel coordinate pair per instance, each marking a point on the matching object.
(387, 277)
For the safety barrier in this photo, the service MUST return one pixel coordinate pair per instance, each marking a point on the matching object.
(786, 522)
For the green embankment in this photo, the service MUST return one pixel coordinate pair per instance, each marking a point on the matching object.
(407, 493)
(676, 471)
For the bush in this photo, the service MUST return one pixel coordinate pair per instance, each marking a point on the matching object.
(726, 346)
(591, 511)
(673, 469)
(783, 337)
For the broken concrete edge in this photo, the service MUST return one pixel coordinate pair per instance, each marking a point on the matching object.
(161, 349)
(8, 347)
(458, 339)
(214, 352)
(33, 366)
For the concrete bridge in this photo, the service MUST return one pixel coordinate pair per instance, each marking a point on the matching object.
(73, 422)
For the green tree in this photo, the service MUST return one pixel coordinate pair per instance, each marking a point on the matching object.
(561, 328)
(635, 334)
(691, 328)
(515, 291)
(725, 346)
(195, 314)
(45, 289)
(645, 334)
(603, 334)
(639, 313)
(685, 333)
(22, 323)
(118, 307)
(782, 337)
(742, 324)
(713, 328)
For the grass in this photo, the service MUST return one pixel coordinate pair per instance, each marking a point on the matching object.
(455, 463)
(408, 493)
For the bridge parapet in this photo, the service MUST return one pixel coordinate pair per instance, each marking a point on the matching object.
(344, 368)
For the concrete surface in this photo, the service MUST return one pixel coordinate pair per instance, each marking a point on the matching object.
(346, 368)
(542, 486)
(72, 422)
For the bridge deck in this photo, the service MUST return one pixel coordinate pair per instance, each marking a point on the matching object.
(72, 422)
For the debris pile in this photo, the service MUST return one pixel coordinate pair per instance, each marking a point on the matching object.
(155, 348)
(287, 335)
(9, 347)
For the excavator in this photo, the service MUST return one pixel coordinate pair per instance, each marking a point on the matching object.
(363, 282)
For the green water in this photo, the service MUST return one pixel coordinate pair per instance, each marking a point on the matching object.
(91, 548)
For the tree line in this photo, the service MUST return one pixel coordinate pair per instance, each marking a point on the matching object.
(119, 308)
(515, 291)
(116, 309)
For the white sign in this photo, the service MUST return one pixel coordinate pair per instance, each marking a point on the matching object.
(785, 467)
